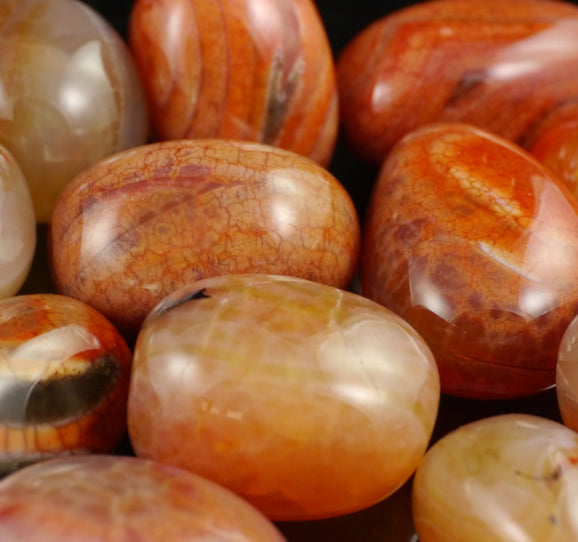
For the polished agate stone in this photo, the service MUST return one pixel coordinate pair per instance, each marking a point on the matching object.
(105, 498)
(70, 93)
(307, 400)
(17, 226)
(135, 227)
(503, 66)
(506, 478)
(257, 70)
(475, 244)
(567, 376)
(64, 375)
(555, 144)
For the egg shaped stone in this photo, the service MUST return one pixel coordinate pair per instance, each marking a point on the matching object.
(306, 400)
(17, 226)
(475, 244)
(64, 376)
(142, 223)
(502, 66)
(104, 498)
(505, 478)
(256, 70)
(71, 94)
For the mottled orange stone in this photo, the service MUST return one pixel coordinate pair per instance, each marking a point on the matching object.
(258, 70)
(135, 227)
(64, 373)
(307, 400)
(475, 244)
(503, 66)
(101, 498)
(555, 144)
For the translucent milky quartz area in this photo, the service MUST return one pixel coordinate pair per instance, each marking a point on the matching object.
(567, 376)
(475, 244)
(17, 226)
(70, 93)
(64, 377)
(306, 400)
(508, 478)
(108, 499)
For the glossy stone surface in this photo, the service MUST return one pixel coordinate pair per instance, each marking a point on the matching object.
(137, 226)
(567, 376)
(17, 226)
(506, 478)
(70, 93)
(257, 70)
(503, 66)
(475, 244)
(108, 499)
(64, 375)
(555, 144)
(306, 400)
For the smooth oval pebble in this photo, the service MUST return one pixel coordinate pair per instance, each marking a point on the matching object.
(104, 498)
(502, 66)
(17, 226)
(64, 376)
(307, 400)
(506, 478)
(135, 227)
(71, 94)
(475, 244)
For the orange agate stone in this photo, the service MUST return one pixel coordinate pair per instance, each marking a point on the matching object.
(475, 244)
(504, 66)
(258, 70)
(307, 400)
(64, 375)
(137, 226)
(105, 498)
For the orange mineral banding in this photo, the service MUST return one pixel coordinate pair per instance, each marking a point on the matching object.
(502, 66)
(257, 70)
(306, 400)
(475, 244)
(135, 227)
(64, 372)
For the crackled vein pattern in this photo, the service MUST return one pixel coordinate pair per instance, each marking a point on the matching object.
(502, 66)
(135, 227)
(105, 498)
(257, 70)
(307, 400)
(64, 376)
(70, 93)
(506, 478)
(475, 244)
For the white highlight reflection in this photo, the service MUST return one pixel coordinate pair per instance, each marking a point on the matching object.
(51, 348)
